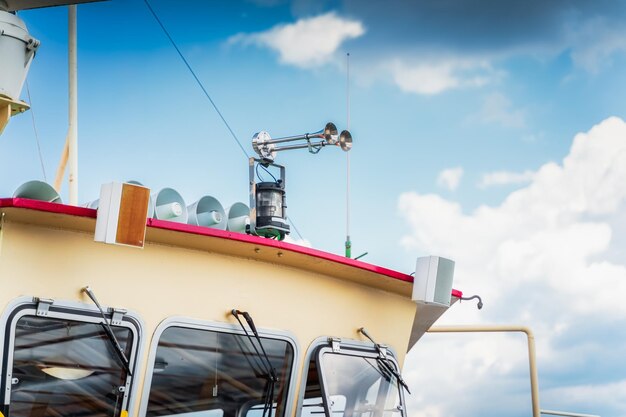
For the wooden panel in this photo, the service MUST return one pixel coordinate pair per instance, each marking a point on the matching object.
(131, 224)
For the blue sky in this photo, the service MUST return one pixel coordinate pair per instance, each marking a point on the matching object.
(464, 116)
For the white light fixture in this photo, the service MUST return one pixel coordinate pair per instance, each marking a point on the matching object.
(66, 373)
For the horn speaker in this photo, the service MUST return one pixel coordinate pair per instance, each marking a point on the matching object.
(169, 205)
(207, 212)
(37, 190)
(238, 217)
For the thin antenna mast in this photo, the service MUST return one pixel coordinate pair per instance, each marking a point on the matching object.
(348, 243)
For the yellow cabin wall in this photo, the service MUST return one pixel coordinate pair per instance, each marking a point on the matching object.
(162, 280)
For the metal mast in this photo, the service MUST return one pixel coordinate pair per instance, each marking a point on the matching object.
(73, 106)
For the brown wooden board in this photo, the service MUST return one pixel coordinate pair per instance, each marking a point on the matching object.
(131, 224)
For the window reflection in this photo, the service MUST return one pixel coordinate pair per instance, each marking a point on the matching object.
(197, 370)
(354, 385)
(66, 368)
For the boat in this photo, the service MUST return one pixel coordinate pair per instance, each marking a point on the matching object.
(196, 321)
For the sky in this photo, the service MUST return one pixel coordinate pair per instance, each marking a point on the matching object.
(490, 132)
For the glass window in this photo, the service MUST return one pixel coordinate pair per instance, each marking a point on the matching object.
(350, 383)
(208, 371)
(65, 367)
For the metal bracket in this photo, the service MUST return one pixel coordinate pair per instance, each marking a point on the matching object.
(335, 344)
(43, 306)
(117, 315)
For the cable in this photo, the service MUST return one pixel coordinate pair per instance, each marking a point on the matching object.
(180, 54)
(32, 115)
(294, 227)
(195, 77)
(266, 170)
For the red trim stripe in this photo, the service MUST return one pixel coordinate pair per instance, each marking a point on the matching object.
(221, 234)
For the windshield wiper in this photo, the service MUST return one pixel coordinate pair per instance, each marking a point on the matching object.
(382, 360)
(272, 378)
(106, 326)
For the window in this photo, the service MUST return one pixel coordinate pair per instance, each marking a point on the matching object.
(351, 382)
(61, 362)
(205, 371)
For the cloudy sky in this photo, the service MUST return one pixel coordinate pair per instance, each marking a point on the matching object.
(487, 131)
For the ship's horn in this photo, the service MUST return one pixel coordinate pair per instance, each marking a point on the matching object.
(265, 146)
(238, 217)
(37, 190)
(170, 205)
(207, 212)
(345, 141)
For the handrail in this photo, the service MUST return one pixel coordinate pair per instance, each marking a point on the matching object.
(532, 362)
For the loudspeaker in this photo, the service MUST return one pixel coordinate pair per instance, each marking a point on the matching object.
(169, 205)
(95, 203)
(37, 190)
(207, 212)
(238, 217)
(433, 280)
(122, 214)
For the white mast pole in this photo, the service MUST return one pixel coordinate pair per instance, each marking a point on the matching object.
(73, 106)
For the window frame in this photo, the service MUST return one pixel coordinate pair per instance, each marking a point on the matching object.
(348, 347)
(68, 310)
(197, 324)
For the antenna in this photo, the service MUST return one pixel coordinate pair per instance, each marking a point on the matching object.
(348, 243)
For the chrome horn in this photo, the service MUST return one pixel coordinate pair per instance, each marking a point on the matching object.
(266, 148)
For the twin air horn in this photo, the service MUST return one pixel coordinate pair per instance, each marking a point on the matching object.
(268, 217)
(266, 147)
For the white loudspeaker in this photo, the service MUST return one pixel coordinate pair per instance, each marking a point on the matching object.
(433, 280)
(207, 212)
(169, 205)
(95, 203)
(122, 214)
(238, 217)
(37, 190)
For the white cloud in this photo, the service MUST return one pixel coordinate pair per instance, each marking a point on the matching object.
(595, 42)
(498, 109)
(309, 42)
(505, 178)
(434, 76)
(450, 178)
(540, 259)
